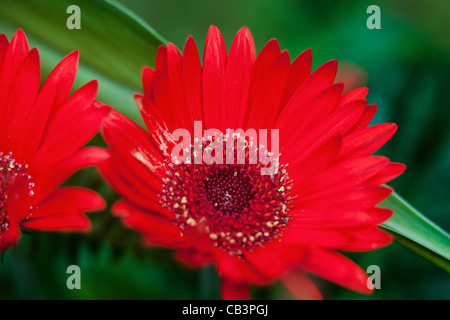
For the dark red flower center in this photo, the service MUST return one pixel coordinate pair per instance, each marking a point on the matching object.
(10, 172)
(229, 191)
(238, 207)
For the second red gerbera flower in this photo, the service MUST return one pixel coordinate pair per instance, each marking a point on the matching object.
(255, 227)
(42, 135)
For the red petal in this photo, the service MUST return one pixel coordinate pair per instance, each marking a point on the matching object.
(169, 104)
(251, 43)
(53, 93)
(196, 258)
(161, 59)
(330, 219)
(159, 134)
(148, 75)
(388, 173)
(79, 102)
(9, 238)
(317, 82)
(213, 77)
(155, 228)
(337, 268)
(18, 201)
(366, 141)
(322, 157)
(25, 87)
(13, 59)
(136, 174)
(232, 290)
(274, 258)
(363, 239)
(269, 53)
(179, 107)
(299, 71)
(343, 176)
(259, 81)
(192, 79)
(237, 80)
(365, 119)
(4, 43)
(68, 199)
(64, 210)
(358, 199)
(196, 239)
(300, 285)
(314, 237)
(64, 74)
(311, 111)
(143, 197)
(336, 124)
(85, 157)
(264, 103)
(353, 95)
(64, 137)
(237, 269)
(380, 215)
(131, 144)
(65, 221)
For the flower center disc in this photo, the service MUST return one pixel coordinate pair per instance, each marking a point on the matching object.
(229, 191)
(238, 207)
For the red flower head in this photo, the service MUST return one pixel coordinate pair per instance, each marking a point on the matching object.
(42, 132)
(320, 199)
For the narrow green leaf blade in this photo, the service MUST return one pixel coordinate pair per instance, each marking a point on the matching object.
(417, 233)
(113, 42)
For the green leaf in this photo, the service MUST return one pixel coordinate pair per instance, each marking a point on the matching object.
(113, 42)
(417, 233)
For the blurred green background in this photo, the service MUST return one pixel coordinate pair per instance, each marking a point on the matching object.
(406, 65)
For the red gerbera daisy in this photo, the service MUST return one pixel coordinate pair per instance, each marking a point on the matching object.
(256, 228)
(42, 134)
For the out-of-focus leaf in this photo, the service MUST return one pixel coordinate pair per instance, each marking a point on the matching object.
(414, 231)
(113, 42)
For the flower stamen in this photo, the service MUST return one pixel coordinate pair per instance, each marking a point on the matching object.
(10, 171)
(239, 208)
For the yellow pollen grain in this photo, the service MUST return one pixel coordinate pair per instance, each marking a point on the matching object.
(213, 236)
(239, 234)
(191, 222)
(184, 200)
